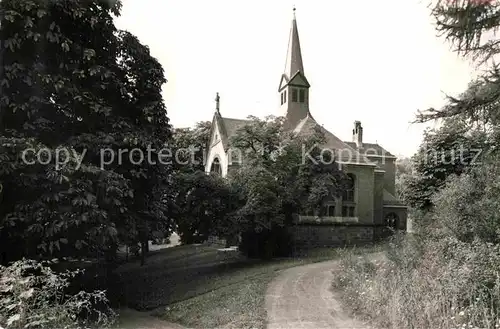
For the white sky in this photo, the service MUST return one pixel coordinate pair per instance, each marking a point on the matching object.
(373, 61)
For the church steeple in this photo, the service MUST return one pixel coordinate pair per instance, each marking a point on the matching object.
(294, 55)
(294, 87)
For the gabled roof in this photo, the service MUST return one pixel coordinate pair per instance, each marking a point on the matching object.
(283, 82)
(372, 149)
(227, 127)
(346, 153)
(298, 80)
(232, 125)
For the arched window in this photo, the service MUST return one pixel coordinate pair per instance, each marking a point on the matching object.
(216, 167)
(350, 188)
(392, 220)
(348, 197)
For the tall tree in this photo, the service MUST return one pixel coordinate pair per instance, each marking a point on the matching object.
(470, 121)
(190, 146)
(77, 91)
(469, 25)
(278, 180)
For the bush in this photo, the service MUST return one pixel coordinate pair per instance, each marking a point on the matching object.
(468, 206)
(33, 296)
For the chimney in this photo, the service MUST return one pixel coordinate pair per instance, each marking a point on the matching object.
(357, 134)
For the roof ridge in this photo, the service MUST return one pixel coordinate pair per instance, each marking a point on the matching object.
(227, 118)
(360, 158)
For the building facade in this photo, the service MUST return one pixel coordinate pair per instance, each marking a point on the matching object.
(366, 208)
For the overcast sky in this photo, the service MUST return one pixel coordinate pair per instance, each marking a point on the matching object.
(373, 61)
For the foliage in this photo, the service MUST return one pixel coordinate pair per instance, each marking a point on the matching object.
(467, 25)
(34, 296)
(468, 208)
(279, 179)
(449, 269)
(76, 87)
(189, 145)
(404, 172)
(199, 202)
(448, 150)
(452, 284)
(475, 114)
(470, 25)
(202, 205)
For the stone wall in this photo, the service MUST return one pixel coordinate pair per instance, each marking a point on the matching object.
(331, 235)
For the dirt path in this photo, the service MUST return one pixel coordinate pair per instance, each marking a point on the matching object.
(301, 297)
(131, 319)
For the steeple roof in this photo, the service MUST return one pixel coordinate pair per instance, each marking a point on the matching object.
(294, 55)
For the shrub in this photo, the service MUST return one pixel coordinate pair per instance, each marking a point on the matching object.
(33, 296)
(468, 206)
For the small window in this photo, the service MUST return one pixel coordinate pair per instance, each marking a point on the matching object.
(302, 96)
(282, 94)
(284, 97)
(392, 220)
(294, 95)
(348, 211)
(331, 211)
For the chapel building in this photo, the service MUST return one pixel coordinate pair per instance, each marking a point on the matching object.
(366, 208)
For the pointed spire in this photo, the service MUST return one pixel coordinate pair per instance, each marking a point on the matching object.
(294, 54)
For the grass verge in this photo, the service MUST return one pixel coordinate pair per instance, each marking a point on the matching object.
(235, 298)
(424, 283)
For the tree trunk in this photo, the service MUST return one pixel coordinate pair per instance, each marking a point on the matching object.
(144, 246)
(1, 78)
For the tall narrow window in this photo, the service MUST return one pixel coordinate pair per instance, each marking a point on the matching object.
(294, 95)
(284, 97)
(302, 95)
(331, 211)
(348, 194)
(349, 197)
